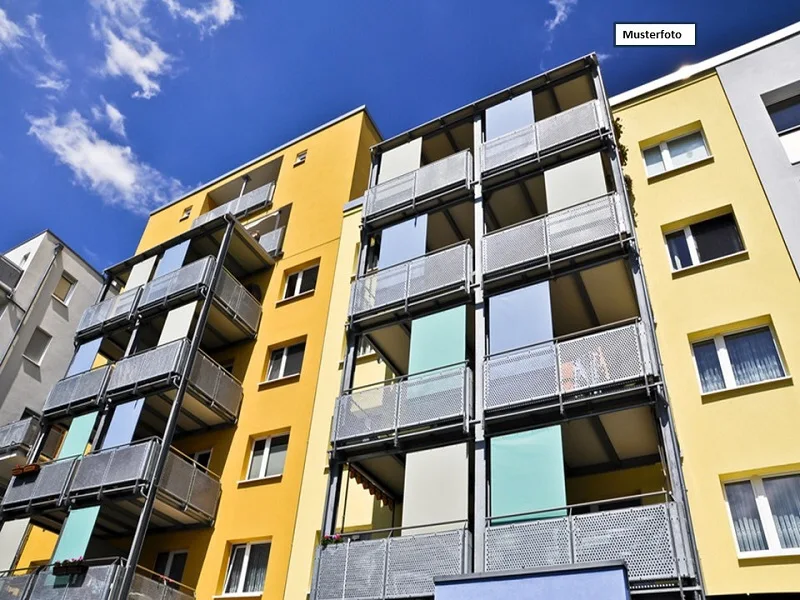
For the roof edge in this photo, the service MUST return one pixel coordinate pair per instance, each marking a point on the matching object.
(58, 240)
(688, 71)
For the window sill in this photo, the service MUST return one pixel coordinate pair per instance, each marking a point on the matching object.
(279, 381)
(259, 480)
(746, 389)
(240, 595)
(711, 264)
(38, 365)
(291, 299)
(769, 554)
(681, 169)
(60, 301)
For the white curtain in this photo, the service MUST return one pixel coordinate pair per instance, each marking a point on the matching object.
(783, 494)
(746, 522)
(705, 354)
(256, 568)
(753, 356)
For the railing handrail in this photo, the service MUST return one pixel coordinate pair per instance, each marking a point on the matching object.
(16, 423)
(146, 350)
(570, 336)
(435, 162)
(606, 196)
(667, 494)
(174, 273)
(145, 572)
(463, 363)
(463, 522)
(239, 283)
(374, 272)
(81, 373)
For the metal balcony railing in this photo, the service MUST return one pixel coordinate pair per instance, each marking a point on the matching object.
(77, 392)
(140, 373)
(111, 312)
(554, 235)
(407, 190)
(156, 587)
(10, 273)
(391, 567)
(544, 136)
(177, 286)
(403, 284)
(249, 203)
(648, 538)
(18, 436)
(43, 490)
(593, 363)
(240, 304)
(272, 241)
(433, 398)
(124, 469)
(220, 390)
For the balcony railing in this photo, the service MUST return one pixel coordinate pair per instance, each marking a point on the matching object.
(124, 469)
(404, 284)
(648, 538)
(272, 241)
(111, 312)
(392, 567)
(10, 273)
(429, 399)
(554, 235)
(240, 304)
(544, 136)
(77, 392)
(219, 389)
(40, 491)
(18, 436)
(547, 372)
(406, 191)
(250, 202)
(140, 373)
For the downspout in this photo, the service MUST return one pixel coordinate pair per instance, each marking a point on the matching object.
(15, 336)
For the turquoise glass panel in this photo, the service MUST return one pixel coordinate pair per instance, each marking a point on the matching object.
(78, 436)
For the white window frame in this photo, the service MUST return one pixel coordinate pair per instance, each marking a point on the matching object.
(666, 158)
(187, 212)
(765, 514)
(693, 253)
(209, 451)
(284, 353)
(298, 283)
(725, 362)
(170, 557)
(245, 562)
(267, 451)
(44, 352)
(300, 158)
(73, 283)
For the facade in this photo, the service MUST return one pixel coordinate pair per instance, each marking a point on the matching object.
(188, 402)
(44, 288)
(717, 208)
(516, 418)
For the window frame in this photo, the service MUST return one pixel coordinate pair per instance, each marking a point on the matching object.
(262, 476)
(694, 253)
(245, 563)
(666, 158)
(195, 455)
(299, 283)
(170, 557)
(793, 99)
(187, 212)
(39, 362)
(73, 283)
(282, 369)
(725, 365)
(764, 514)
(300, 158)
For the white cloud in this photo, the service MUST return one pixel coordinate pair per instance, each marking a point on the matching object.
(563, 9)
(210, 16)
(604, 56)
(110, 114)
(135, 55)
(47, 82)
(41, 41)
(10, 32)
(110, 170)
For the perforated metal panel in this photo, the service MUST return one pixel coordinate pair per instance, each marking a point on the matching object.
(177, 283)
(238, 301)
(520, 377)
(508, 148)
(95, 584)
(176, 478)
(412, 280)
(272, 241)
(12, 586)
(84, 388)
(567, 126)
(425, 399)
(21, 433)
(400, 192)
(248, 203)
(331, 566)
(204, 493)
(43, 488)
(215, 384)
(513, 246)
(539, 543)
(160, 363)
(366, 567)
(148, 588)
(120, 467)
(415, 560)
(117, 308)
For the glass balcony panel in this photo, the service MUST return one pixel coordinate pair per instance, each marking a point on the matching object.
(18, 435)
(246, 204)
(80, 389)
(157, 365)
(10, 273)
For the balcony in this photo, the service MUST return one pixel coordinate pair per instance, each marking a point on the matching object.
(392, 567)
(413, 404)
(567, 371)
(15, 441)
(253, 201)
(213, 396)
(272, 241)
(406, 195)
(111, 313)
(546, 137)
(647, 537)
(412, 287)
(555, 236)
(187, 493)
(40, 492)
(235, 315)
(10, 273)
(77, 394)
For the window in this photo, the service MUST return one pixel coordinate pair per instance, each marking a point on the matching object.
(785, 116)
(704, 241)
(171, 565)
(64, 288)
(24, 259)
(267, 457)
(737, 359)
(247, 568)
(675, 153)
(186, 213)
(202, 458)
(300, 158)
(364, 348)
(301, 282)
(286, 361)
(37, 346)
(765, 513)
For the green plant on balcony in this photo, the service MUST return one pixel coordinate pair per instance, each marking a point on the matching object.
(328, 540)
(70, 566)
(623, 159)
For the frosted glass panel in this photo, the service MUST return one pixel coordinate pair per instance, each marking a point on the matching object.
(575, 182)
(123, 423)
(402, 242)
(400, 160)
(140, 273)
(520, 318)
(172, 259)
(438, 340)
(84, 357)
(509, 116)
(78, 435)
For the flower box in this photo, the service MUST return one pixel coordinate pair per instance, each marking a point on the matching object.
(25, 469)
(70, 569)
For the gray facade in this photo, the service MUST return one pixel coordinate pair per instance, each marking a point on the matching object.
(752, 83)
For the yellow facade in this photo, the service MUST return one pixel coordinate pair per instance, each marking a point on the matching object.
(723, 435)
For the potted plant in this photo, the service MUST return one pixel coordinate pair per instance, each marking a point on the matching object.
(70, 566)
(336, 538)
(26, 469)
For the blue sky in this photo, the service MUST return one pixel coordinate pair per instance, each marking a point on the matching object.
(109, 108)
